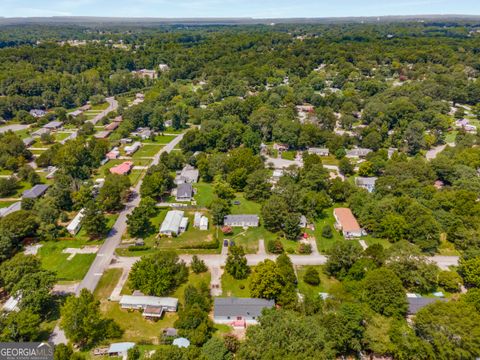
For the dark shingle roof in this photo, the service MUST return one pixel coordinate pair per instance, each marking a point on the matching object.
(35, 192)
(417, 303)
(184, 190)
(232, 306)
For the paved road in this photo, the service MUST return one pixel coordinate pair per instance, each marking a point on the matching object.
(114, 237)
(112, 106)
(13, 127)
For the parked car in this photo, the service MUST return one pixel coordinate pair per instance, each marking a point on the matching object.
(232, 243)
(236, 202)
(225, 242)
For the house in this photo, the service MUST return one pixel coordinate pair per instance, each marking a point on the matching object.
(367, 183)
(74, 227)
(145, 74)
(203, 223)
(239, 312)
(305, 108)
(120, 349)
(10, 209)
(131, 149)
(140, 96)
(112, 126)
(183, 224)
(241, 220)
(37, 113)
(75, 113)
(118, 119)
(28, 141)
(170, 332)
(303, 221)
(171, 224)
(85, 107)
(319, 151)
(188, 175)
(280, 147)
(358, 153)
(151, 306)
(35, 192)
(40, 132)
(415, 304)
(347, 223)
(181, 342)
(122, 169)
(113, 154)
(143, 133)
(184, 192)
(53, 125)
(102, 134)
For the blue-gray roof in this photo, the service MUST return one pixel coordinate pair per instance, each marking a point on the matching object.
(181, 342)
(35, 192)
(120, 347)
(417, 303)
(246, 307)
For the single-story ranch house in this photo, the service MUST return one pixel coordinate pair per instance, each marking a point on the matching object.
(239, 312)
(241, 220)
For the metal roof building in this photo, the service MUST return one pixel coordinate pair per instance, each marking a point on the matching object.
(244, 310)
(241, 220)
(35, 192)
(171, 223)
(415, 304)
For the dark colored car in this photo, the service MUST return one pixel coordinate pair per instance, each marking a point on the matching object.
(225, 243)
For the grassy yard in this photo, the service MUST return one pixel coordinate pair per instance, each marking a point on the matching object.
(102, 106)
(4, 204)
(54, 259)
(164, 139)
(289, 155)
(147, 151)
(82, 235)
(329, 160)
(326, 282)
(191, 237)
(451, 136)
(249, 238)
(245, 206)
(324, 244)
(136, 328)
(204, 194)
(234, 287)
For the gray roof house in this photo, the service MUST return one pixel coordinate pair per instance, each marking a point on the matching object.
(52, 125)
(184, 192)
(40, 132)
(319, 151)
(35, 192)
(17, 206)
(241, 220)
(28, 141)
(188, 175)
(415, 304)
(239, 312)
(367, 183)
(358, 153)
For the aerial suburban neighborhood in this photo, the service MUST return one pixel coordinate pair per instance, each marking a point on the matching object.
(241, 189)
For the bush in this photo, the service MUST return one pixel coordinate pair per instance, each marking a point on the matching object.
(327, 232)
(450, 281)
(290, 250)
(198, 266)
(275, 246)
(304, 249)
(138, 248)
(227, 230)
(312, 277)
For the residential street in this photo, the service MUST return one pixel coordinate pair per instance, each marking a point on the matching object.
(113, 105)
(107, 250)
(13, 127)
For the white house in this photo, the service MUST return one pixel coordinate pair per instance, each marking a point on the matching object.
(319, 151)
(367, 183)
(151, 306)
(358, 153)
(131, 149)
(120, 349)
(171, 225)
(241, 220)
(75, 225)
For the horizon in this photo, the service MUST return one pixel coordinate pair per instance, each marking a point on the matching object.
(237, 9)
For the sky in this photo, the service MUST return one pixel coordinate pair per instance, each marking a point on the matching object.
(235, 8)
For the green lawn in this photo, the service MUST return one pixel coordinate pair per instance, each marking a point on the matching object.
(451, 136)
(326, 282)
(107, 283)
(147, 151)
(4, 204)
(329, 160)
(204, 194)
(191, 237)
(102, 106)
(82, 235)
(6, 172)
(289, 155)
(324, 244)
(164, 139)
(234, 287)
(53, 259)
(246, 206)
(136, 328)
